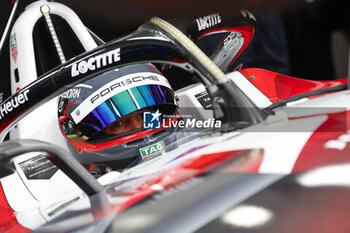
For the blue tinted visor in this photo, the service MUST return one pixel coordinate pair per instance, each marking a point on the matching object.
(123, 104)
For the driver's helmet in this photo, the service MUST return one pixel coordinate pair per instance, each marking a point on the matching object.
(113, 121)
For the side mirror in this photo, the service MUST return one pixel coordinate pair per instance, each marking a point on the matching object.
(223, 39)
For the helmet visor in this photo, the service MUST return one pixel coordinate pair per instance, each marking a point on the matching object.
(120, 106)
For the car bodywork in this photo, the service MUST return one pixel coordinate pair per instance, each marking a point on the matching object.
(277, 172)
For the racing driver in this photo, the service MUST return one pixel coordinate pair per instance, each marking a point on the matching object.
(103, 119)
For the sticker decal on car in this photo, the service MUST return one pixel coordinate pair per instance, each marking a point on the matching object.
(152, 150)
(13, 103)
(38, 167)
(95, 62)
(208, 21)
(13, 47)
(204, 99)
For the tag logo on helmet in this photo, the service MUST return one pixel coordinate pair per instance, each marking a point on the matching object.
(95, 62)
(151, 120)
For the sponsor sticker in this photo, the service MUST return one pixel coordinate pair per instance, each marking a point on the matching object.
(117, 86)
(208, 21)
(8, 106)
(71, 93)
(77, 112)
(38, 168)
(95, 62)
(204, 99)
(13, 47)
(152, 150)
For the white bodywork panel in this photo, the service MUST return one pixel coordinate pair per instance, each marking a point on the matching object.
(23, 195)
(44, 117)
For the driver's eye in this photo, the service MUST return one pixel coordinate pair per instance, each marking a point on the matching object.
(117, 124)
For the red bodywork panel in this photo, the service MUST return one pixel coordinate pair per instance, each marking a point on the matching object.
(316, 154)
(8, 221)
(279, 87)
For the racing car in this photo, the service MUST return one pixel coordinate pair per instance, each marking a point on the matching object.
(257, 151)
